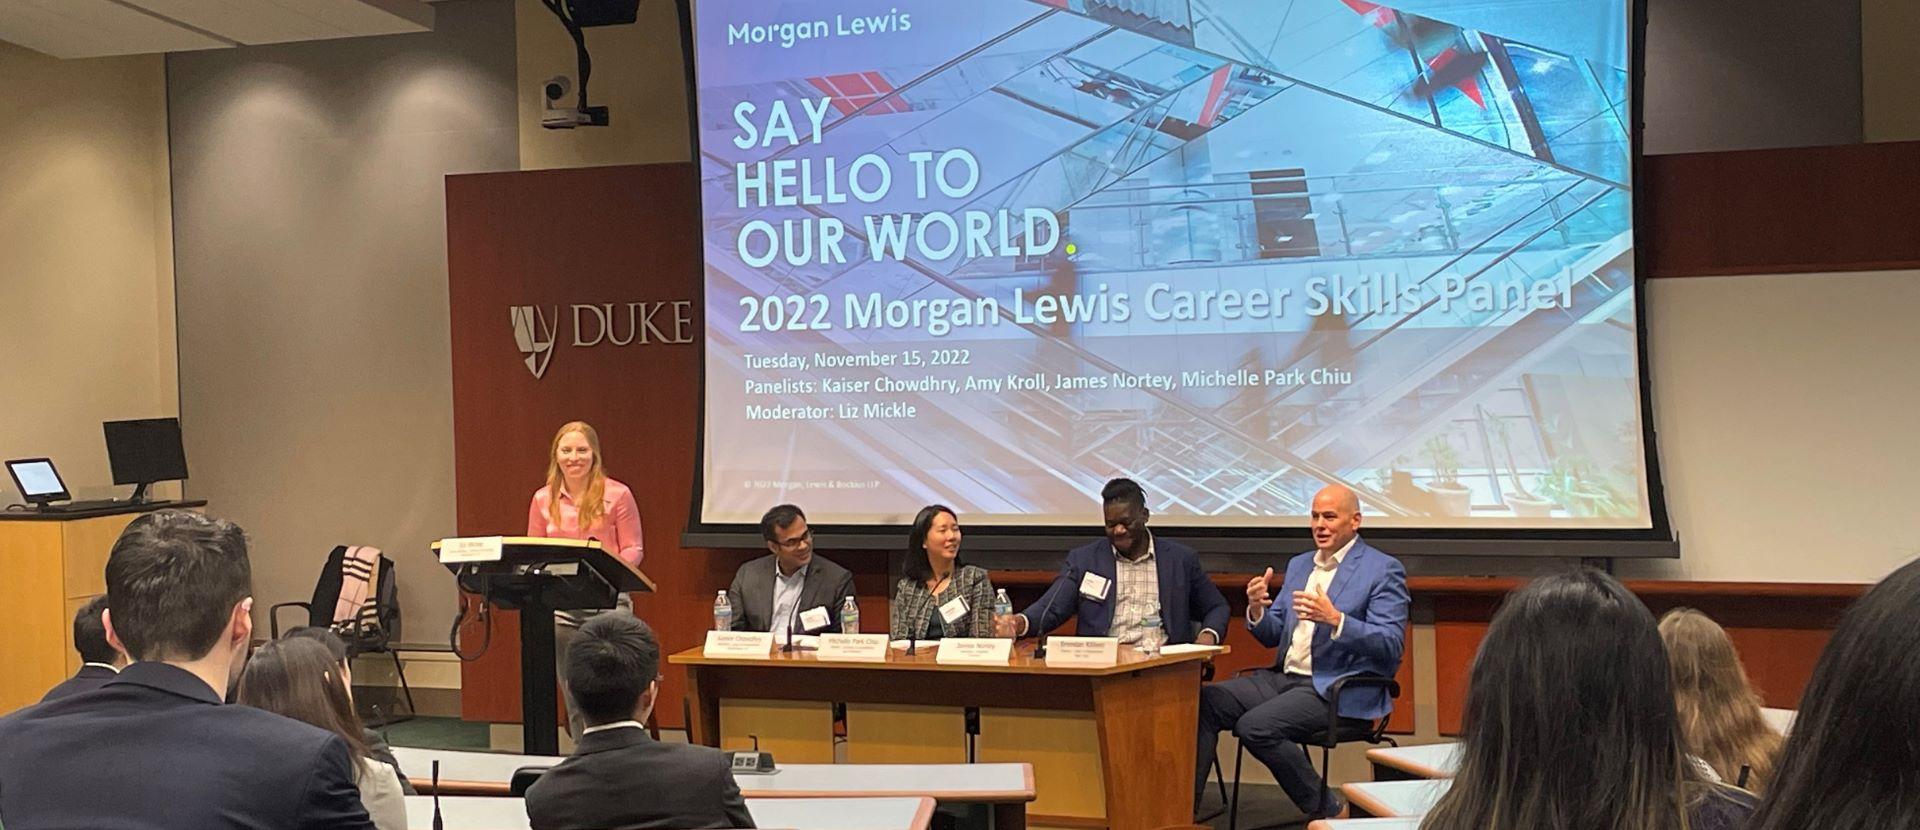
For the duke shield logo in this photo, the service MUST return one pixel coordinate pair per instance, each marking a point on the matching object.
(533, 333)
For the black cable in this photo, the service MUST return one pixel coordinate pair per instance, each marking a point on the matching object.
(486, 622)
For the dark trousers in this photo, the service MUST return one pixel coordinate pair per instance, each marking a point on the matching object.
(1271, 712)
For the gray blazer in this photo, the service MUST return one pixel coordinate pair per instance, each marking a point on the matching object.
(752, 593)
(914, 606)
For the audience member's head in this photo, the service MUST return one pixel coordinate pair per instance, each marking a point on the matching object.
(612, 667)
(335, 646)
(1124, 513)
(1852, 761)
(1569, 717)
(298, 677)
(90, 635)
(1720, 720)
(179, 590)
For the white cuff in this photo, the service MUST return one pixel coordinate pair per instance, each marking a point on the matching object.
(1341, 627)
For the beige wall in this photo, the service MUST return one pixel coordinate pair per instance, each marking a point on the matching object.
(86, 259)
(637, 73)
(1890, 80)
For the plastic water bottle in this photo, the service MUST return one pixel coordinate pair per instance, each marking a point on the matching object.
(849, 617)
(722, 613)
(1002, 606)
(1151, 635)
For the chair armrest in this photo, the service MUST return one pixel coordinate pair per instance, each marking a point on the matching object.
(1361, 680)
(523, 780)
(273, 614)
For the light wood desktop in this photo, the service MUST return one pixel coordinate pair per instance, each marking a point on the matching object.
(1388, 799)
(1404, 763)
(1110, 746)
(482, 813)
(54, 563)
(1403, 823)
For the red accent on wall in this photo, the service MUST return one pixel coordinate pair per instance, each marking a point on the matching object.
(1795, 211)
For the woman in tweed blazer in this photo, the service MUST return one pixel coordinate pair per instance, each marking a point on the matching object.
(934, 577)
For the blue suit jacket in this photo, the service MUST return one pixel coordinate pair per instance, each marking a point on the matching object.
(1186, 595)
(1371, 589)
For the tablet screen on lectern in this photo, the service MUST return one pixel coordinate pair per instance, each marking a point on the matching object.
(37, 479)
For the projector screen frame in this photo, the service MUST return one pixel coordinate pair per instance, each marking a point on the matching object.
(1010, 545)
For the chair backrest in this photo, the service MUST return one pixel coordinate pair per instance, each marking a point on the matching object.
(357, 597)
(523, 780)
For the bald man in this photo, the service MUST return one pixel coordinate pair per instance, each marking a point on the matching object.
(1344, 612)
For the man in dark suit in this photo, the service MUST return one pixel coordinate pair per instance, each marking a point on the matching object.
(1346, 614)
(155, 747)
(790, 589)
(618, 778)
(99, 661)
(1114, 583)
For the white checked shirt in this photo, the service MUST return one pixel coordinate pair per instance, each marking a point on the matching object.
(1136, 593)
(1300, 649)
(786, 595)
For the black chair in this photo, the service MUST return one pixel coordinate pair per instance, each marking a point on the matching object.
(523, 779)
(372, 628)
(1374, 732)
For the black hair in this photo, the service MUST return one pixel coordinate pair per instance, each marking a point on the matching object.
(917, 568)
(173, 579)
(1852, 759)
(1570, 718)
(779, 518)
(1123, 491)
(335, 646)
(609, 666)
(90, 633)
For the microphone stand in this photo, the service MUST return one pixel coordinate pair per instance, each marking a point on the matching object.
(793, 614)
(438, 823)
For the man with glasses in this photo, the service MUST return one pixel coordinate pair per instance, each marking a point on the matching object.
(789, 591)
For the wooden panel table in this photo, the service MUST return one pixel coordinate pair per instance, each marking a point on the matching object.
(1143, 710)
(1394, 798)
(1407, 763)
(481, 813)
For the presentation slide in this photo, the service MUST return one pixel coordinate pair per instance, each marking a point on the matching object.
(993, 253)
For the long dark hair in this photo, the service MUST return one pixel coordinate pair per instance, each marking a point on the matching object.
(1852, 759)
(298, 678)
(917, 568)
(1569, 718)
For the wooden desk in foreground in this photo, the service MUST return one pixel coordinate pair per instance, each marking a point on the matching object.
(1406, 823)
(1405, 763)
(1122, 734)
(1388, 799)
(482, 813)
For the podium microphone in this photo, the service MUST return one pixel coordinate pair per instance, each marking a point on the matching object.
(1040, 649)
(438, 823)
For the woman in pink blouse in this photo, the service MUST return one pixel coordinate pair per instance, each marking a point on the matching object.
(589, 505)
(581, 502)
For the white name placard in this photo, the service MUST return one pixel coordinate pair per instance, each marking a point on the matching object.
(471, 549)
(975, 651)
(751, 645)
(1083, 651)
(853, 646)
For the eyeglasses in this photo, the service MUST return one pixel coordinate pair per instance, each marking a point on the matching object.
(795, 542)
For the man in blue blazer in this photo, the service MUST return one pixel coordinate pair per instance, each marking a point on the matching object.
(1118, 581)
(1346, 614)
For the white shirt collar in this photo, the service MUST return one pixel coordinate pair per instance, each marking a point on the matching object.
(108, 666)
(621, 724)
(1339, 556)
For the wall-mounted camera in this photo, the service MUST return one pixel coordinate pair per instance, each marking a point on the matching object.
(577, 16)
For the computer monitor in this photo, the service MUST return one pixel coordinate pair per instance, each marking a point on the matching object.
(145, 451)
(38, 481)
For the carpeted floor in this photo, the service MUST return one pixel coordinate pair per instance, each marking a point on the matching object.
(437, 733)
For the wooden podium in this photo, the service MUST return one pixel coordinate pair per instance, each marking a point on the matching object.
(54, 562)
(538, 575)
(1144, 710)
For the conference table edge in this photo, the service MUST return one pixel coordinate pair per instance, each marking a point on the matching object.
(1382, 757)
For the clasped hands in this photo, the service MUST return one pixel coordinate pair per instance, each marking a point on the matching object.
(1311, 605)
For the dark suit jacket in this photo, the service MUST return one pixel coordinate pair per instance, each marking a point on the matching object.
(155, 748)
(827, 586)
(1187, 596)
(621, 779)
(85, 680)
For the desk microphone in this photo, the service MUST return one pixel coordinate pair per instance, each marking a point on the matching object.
(793, 614)
(1040, 649)
(438, 823)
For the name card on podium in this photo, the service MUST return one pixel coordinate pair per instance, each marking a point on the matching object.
(751, 645)
(1083, 651)
(853, 647)
(471, 549)
(986, 651)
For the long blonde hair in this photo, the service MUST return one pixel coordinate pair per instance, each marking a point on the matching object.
(591, 503)
(1719, 710)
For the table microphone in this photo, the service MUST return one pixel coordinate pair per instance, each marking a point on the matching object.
(438, 824)
(1040, 649)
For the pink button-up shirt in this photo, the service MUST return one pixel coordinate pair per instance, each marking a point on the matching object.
(618, 528)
